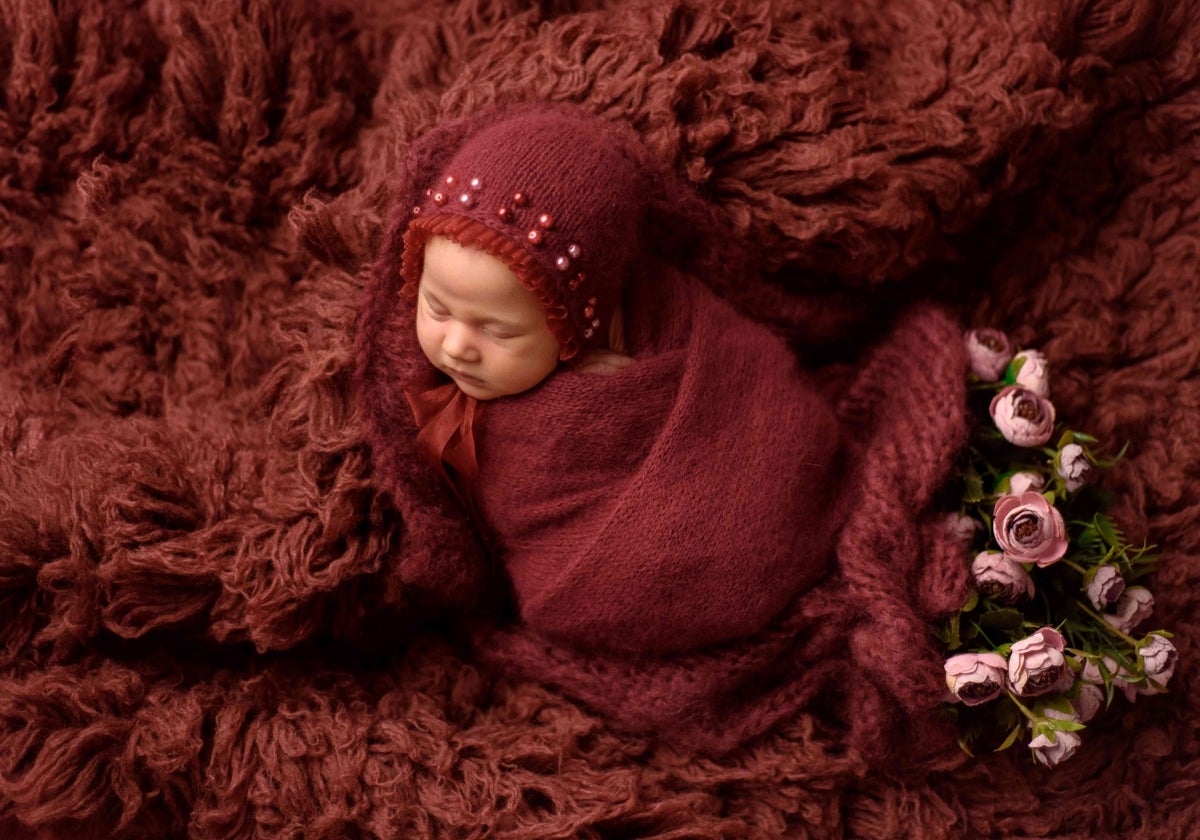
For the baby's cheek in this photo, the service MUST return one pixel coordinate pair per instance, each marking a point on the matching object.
(426, 338)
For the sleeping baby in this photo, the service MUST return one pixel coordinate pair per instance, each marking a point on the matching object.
(649, 468)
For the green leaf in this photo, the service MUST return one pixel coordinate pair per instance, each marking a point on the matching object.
(971, 603)
(952, 638)
(1014, 367)
(1060, 725)
(974, 488)
(1011, 739)
(1105, 526)
(1059, 704)
(1086, 537)
(1068, 437)
(1080, 437)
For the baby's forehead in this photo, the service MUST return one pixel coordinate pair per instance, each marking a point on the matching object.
(466, 275)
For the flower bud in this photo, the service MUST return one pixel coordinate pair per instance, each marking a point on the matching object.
(989, 352)
(1074, 467)
(1024, 482)
(1104, 586)
(1034, 373)
(1055, 748)
(1157, 656)
(1089, 702)
(1133, 607)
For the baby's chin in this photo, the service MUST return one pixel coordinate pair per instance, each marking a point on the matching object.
(478, 388)
(485, 390)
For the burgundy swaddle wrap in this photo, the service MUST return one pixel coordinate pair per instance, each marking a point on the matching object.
(682, 501)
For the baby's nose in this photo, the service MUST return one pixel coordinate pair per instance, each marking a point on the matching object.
(459, 342)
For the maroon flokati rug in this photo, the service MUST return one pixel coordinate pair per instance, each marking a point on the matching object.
(205, 631)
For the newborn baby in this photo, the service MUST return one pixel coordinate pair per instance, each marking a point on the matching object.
(650, 468)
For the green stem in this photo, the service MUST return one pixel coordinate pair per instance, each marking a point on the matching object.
(1021, 706)
(1100, 620)
(1072, 564)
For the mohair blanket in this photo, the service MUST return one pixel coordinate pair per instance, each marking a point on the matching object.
(207, 624)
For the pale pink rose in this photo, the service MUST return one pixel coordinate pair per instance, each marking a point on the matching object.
(1025, 482)
(1055, 748)
(1133, 607)
(1029, 529)
(1036, 662)
(1074, 466)
(961, 528)
(1090, 700)
(1104, 585)
(989, 352)
(998, 576)
(1034, 373)
(1158, 657)
(975, 678)
(1024, 418)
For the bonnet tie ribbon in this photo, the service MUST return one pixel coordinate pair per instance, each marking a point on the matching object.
(446, 417)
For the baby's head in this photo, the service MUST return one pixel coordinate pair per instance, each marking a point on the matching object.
(517, 255)
(479, 325)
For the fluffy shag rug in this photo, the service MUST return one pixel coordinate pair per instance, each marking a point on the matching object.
(204, 631)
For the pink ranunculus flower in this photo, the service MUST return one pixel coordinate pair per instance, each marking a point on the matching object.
(1133, 607)
(1051, 753)
(1089, 702)
(1104, 585)
(1036, 662)
(1158, 657)
(989, 352)
(1024, 418)
(998, 576)
(1074, 466)
(1034, 373)
(1024, 482)
(975, 678)
(1029, 529)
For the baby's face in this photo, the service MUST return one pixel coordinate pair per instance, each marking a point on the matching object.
(479, 325)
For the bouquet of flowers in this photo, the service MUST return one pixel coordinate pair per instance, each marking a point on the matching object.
(1050, 631)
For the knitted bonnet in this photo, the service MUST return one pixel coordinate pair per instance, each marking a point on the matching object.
(555, 195)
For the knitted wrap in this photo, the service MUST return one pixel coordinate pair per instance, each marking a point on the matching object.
(858, 645)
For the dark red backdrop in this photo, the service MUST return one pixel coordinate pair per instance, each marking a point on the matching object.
(198, 632)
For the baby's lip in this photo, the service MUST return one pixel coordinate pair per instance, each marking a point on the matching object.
(458, 374)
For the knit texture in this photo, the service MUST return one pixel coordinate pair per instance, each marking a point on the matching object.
(681, 503)
(668, 583)
(215, 622)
